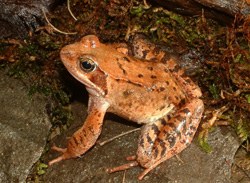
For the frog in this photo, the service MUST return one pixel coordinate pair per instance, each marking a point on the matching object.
(144, 85)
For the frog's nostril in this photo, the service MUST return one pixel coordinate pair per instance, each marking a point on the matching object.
(66, 53)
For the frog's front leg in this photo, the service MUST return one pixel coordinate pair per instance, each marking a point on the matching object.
(163, 139)
(84, 138)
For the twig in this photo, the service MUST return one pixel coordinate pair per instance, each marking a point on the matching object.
(215, 115)
(179, 159)
(120, 135)
(124, 177)
(244, 171)
(57, 30)
(68, 5)
(146, 6)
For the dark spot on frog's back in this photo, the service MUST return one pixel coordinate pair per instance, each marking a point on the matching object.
(150, 68)
(126, 93)
(176, 68)
(161, 89)
(153, 77)
(140, 76)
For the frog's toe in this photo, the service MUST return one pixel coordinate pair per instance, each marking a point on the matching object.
(122, 167)
(60, 158)
(58, 149)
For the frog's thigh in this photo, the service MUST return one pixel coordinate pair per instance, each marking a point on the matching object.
(163, 139)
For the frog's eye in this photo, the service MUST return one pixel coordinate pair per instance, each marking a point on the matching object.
(87, 65)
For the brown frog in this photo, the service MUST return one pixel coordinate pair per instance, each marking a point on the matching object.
(155, 94)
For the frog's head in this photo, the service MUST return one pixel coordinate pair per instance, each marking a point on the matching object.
(79, 59)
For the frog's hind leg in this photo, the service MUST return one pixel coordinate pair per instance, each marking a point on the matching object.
(163, 139)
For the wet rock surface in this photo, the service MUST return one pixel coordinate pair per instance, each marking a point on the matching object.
(195, 165)
(241, 167)
(230, 7)
(222, 10)
(24, 126)
(18, 17)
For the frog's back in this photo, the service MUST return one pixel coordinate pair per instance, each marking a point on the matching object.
(143, 104)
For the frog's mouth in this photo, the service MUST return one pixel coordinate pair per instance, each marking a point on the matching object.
(90, 87)
(93, 91)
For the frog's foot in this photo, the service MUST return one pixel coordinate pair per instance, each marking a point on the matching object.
(123, 167)
(131, 164)
(147, 170)
(58, 149)
(60, 158)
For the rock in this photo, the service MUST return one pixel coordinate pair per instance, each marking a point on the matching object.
(197, 166)
(222, 10)
(230, 7)
(18, 17)
(24, 127)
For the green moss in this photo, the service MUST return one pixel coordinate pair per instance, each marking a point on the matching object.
(242, 129)
(248, 98)
(138, 10)
(41, 169)
(202, 140)
(214, 91)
